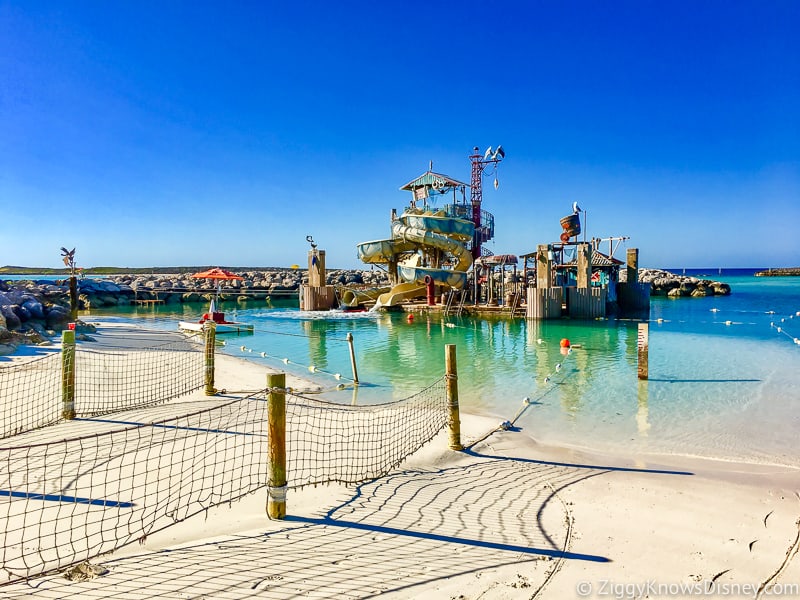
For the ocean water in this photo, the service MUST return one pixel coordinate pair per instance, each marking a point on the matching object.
(724, 371)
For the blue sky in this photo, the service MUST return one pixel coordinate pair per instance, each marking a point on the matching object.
(194, 133)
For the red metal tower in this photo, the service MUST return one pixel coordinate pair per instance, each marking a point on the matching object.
(479, 164)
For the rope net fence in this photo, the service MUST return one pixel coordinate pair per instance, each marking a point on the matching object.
(65, 501)
(30, 395)
(327, 442)
(106, 381)
(113, 380)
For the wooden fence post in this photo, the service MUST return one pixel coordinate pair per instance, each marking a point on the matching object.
(276, 422)
(642, 344)
(68, 374)
(451, 375)
(210, 330)
(73, 299)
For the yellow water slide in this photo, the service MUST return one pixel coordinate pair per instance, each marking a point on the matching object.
(421, 238)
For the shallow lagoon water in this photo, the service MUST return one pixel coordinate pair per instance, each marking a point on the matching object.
(724, 382)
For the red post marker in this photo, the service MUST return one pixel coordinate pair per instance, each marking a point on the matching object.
(71, 326)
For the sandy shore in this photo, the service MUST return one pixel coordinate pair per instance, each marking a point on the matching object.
(508, 518)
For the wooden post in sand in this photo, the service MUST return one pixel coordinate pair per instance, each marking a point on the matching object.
(276, 422)
(210, 330)
(68, 374)
(642, 344)
(451, 375)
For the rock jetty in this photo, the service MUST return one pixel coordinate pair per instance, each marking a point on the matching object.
(664, 283)
(783, 272)
(31, 311)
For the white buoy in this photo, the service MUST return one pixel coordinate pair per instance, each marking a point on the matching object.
(727, 322)
(263, 355)
(547, 380)
(312, 368)
(242, 348)
(286, 361)
(527, 400)
(558, 367)
(338, 376)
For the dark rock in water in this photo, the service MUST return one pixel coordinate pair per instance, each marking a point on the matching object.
(23, 313)
(664, 283)
(35, 308)
(12, 320)
(783, 272)
(57, 317)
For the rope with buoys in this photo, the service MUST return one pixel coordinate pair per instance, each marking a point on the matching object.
(558, 369)
(287, 361)
(782, 330)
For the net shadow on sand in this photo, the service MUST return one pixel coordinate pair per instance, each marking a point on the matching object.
(482, 519)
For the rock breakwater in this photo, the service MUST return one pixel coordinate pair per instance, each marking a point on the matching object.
(31, 311)
(665, 283)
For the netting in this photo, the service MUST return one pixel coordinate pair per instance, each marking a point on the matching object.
(84, 487)
(62, 502)
(30, 395)
(328, 442)
(113, 380)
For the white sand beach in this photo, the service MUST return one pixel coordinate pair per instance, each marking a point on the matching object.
(509, 518)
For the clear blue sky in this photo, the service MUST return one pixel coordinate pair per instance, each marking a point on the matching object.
(192, 133)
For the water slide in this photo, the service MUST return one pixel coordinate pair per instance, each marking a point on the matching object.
(417, 235)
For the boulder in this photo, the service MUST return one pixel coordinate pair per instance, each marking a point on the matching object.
(12, 320)
(721, 289)
(35, 308)
(701, 291)
(23, 313)
(56, 317)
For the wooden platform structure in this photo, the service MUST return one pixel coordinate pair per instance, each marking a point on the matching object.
(148, 302)
(585, 287)
(315, 295)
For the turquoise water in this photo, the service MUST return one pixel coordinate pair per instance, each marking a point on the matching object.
(724, 382)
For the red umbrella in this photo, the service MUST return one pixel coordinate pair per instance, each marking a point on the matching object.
(218, 274)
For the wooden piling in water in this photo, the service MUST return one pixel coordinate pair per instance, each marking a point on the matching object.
(352, 357)
(276, 423)
(642, 344)
(454, 419)
(632, 266)
(584, 265)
